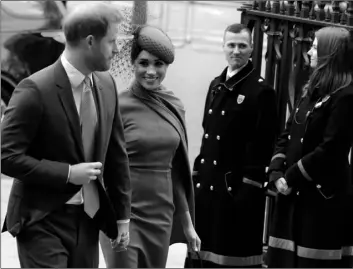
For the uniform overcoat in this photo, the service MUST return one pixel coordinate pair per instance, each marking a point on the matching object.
(239, 126)
(312, 226)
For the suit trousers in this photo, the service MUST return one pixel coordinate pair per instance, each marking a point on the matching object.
(65, 238)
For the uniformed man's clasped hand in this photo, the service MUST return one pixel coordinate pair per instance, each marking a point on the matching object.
(282, 186)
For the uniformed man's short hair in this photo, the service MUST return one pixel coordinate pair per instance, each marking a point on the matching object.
(236, 28)
(90, 19)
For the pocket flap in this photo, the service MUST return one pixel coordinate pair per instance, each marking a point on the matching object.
(252, 182)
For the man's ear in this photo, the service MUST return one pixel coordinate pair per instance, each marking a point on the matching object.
(90, 40)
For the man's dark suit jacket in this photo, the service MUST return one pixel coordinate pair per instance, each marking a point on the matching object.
(41, 136)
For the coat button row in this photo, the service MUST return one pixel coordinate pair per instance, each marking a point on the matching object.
(214, 162)
(207, 136)
(198, 185)
(210, 112)
(301, 140)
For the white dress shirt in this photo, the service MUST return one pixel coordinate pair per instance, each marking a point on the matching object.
(76, 79)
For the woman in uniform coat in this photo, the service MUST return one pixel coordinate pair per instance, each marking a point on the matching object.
(156, 142)
(312, 224)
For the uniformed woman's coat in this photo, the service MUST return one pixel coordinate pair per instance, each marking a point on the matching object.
(239, 132)
(313, 226)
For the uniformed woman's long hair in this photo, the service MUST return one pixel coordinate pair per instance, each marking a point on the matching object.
(334, 68)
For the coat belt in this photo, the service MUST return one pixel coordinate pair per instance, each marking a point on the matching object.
(229, 260)
(310, 253)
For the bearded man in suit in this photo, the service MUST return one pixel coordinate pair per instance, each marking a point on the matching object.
(63, 143)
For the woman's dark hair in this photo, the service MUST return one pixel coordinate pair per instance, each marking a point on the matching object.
(333, 70)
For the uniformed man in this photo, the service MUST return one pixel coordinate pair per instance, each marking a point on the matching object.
(239, 131)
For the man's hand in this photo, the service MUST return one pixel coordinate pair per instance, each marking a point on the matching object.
(82, 173)
(123, 239)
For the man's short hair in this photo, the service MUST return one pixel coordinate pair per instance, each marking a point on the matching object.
(236, 28)
(90, 19)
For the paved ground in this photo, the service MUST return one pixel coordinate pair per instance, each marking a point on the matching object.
(196, 64)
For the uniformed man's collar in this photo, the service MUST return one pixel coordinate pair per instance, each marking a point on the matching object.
(232, 73)
(230, 83)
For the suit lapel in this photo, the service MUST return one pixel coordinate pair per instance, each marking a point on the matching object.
(68, 103)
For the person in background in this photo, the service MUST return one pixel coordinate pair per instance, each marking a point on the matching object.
(313, 217)
(63, 142)
(239, 124)
(162, 210)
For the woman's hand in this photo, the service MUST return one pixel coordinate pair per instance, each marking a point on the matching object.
(193, 239)
(282, 186)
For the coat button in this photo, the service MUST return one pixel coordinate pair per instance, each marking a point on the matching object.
(218, 137)
(198, 185)
(301, 140)
(229, 188)
(215, 162)
(223, 112)
(211, 188)
(202, 160)
(210, 111)
(318, 186)
(206, 136)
